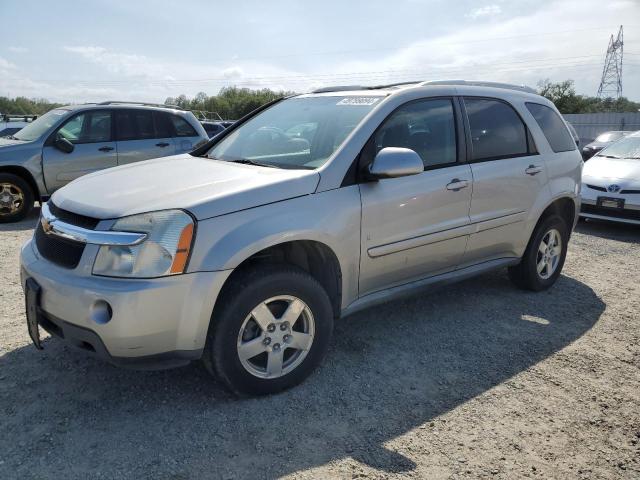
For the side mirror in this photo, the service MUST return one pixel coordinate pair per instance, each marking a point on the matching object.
(63, 145)
(394, 162)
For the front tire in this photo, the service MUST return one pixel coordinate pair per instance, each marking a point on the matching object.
(544, 257)
(270, 329)
(16, 198)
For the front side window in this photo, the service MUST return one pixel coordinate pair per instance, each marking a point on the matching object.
(553, 127)
(427, 127)
(87, 127)
(299, 132)
(496, 129)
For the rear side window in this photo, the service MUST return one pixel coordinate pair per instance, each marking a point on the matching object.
(553, 127)
(496, 130)
(164, 129)
(182, 127)
(143, 125)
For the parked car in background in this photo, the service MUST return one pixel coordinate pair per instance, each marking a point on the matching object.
(212, 128)
(10, 124)
(68, 142)
(243, 252)
(574, 134)
(611, 182)
(603, 140)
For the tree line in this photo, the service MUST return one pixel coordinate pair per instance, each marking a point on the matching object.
(232, 103)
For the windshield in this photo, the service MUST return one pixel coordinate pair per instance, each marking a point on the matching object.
(301, 132)
(609, 136)
(628, 147)
(40, 125)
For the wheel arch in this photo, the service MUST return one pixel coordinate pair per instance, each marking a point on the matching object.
(313, 256)
(25, 175)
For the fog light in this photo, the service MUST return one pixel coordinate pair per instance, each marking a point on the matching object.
(101, 312)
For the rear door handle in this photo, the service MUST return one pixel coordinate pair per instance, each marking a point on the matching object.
(533, 170)
(457, 184)
(162, 144)
(105, 149)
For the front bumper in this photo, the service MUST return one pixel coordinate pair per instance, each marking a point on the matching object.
(630, 214)
(160, 322)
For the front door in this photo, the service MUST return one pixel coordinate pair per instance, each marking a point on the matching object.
(416, 226)
(94, 149)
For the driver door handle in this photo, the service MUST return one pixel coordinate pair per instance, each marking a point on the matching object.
(162, 144)
(457, 184)
(105, 149)
(533, 170)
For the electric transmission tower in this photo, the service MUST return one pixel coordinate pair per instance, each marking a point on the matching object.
(611, 83)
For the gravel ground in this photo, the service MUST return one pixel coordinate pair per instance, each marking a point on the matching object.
(479, 380)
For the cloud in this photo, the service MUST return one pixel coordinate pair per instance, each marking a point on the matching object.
(486, 11)
(6, 64)
(17, 49)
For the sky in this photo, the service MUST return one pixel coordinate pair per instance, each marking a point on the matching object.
(143, 50)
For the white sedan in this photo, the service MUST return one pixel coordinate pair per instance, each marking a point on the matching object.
(611, 182)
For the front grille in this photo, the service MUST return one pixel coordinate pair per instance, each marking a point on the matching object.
(626, 214)
(61, 251)
(630, 192)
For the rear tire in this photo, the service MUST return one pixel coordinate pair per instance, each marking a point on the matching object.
(544, 257)
(16, 198)
(269, 331)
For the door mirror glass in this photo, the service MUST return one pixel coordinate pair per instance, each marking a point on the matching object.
(393, 162)
(63, 144)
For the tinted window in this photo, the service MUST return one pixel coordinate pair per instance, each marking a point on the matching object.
(164, 128)
(496, 129)
(143, 121)
(426, 127)
(87, 127)
(182, 127)
(142, 124)
(124, 125)
(553, 127)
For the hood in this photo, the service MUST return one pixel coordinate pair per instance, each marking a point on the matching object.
(625, 170)
(7, 143)
(205, 187)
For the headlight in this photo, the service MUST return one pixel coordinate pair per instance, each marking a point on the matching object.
(165, 251)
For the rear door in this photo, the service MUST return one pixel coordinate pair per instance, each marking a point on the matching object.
(416, 226)
(91, 134)
(508, 176)
(143, 134)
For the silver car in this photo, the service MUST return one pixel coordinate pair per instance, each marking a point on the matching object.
(611, 183)
(69, 142)
(244, 252)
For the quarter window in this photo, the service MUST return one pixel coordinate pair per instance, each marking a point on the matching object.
(553, 127)
(426, 127)
(496, 130)
(182, 127)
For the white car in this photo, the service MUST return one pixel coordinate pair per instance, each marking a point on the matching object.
(611, 182)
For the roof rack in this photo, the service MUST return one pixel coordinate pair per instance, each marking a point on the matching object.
(112, 102)
(420, 83)
(206, 116)
(17, 117)
(508, 86)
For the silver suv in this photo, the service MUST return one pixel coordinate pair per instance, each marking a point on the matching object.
(243, 252)
(69, 142)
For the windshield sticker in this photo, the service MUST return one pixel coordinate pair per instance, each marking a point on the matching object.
(359, 101)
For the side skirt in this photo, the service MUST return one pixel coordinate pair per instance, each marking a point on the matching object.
(417, 286)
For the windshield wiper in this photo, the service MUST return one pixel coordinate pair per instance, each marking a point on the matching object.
(608, 156)
(246, 161)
